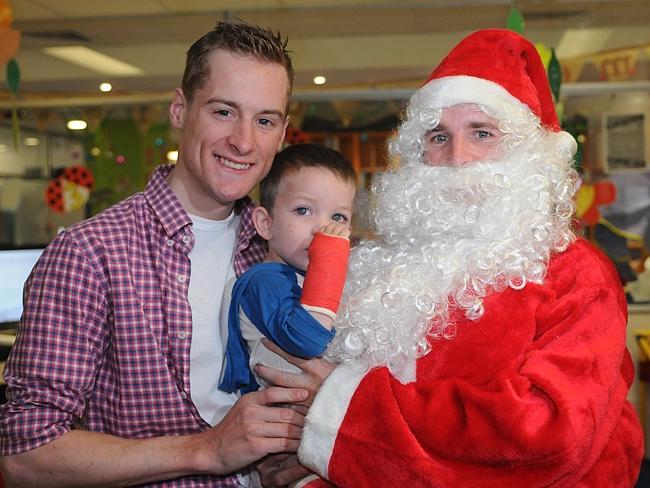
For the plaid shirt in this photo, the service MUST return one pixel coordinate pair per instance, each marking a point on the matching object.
(104, 341)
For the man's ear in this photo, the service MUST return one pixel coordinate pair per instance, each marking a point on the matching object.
(177, 109)
(262, 221)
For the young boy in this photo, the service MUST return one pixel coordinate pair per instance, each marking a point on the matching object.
(305, 214)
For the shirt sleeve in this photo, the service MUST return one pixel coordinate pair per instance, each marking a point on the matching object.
(59, 344)
(272, 303)
(533, 395)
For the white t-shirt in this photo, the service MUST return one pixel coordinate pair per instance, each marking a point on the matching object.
(212, 265)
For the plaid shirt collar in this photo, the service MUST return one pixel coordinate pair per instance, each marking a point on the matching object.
(251, 248)
(164, 202)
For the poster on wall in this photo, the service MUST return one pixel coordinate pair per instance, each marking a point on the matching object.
(625, 142)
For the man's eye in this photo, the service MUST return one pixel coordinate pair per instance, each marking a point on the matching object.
(438, 138)
(223, 112)
(265, 122)
(483, 134)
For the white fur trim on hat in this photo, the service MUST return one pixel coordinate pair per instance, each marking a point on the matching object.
(454, 90)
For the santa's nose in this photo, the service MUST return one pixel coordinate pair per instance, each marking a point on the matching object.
(460, 152)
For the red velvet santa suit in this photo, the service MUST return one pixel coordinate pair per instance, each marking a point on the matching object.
(533, 394)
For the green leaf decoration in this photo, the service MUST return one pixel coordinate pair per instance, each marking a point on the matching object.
(554, 75)
(515, 20)
(13, 76)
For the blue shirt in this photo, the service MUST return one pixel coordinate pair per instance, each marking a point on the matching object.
(269, 295)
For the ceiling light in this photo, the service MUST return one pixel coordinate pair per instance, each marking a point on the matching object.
(172, 156)
(319, 80)
(105, 87)
(31, 141)
(93, 60)
(77, 124)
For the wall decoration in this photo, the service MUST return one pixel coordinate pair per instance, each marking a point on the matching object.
(624, 142)
(295, 136)
(70, 190)
(590, 196)
(9, 44)
(515, 20)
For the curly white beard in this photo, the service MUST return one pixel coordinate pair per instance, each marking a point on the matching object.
(448, 237)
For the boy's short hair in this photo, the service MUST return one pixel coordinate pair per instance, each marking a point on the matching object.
(237, 37)
(297, 156)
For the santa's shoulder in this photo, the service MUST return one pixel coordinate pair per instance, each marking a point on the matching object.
(584, 261)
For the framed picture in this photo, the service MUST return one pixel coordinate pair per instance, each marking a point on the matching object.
(625, 141)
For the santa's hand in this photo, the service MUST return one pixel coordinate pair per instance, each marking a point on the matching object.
(314, 372)
(281, 469)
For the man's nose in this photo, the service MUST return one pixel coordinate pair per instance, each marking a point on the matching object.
(461, 152)
(242, 136)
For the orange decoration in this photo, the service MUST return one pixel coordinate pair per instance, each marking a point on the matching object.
(6, 15)
(9, 44)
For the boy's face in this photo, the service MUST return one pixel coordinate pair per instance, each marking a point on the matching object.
(306, 201)
(231, 131)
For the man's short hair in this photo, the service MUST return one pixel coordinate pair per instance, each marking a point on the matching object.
(236, 37)
(297, 156)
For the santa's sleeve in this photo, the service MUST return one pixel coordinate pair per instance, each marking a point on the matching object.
(555, 415)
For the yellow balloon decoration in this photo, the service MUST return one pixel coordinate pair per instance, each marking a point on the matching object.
(544, 53)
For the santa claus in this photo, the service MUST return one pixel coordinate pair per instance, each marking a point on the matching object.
(480, 341)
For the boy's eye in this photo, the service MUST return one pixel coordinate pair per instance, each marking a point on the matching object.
(339, 218)
(302, 211)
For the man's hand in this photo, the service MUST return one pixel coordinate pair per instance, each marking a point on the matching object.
(314, 372)
(253, 428)
(277, 470)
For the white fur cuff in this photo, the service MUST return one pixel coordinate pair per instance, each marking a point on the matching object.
(325, 417)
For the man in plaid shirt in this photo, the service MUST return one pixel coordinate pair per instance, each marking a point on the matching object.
(113, 377)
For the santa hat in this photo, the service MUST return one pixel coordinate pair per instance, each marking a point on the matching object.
(498, 69)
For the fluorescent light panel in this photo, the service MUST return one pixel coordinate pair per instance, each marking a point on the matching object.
(93, 60)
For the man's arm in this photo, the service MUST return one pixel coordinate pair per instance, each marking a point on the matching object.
(250, 430)
(281, 469)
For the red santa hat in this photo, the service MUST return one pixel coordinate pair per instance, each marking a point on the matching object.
(498, 69)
